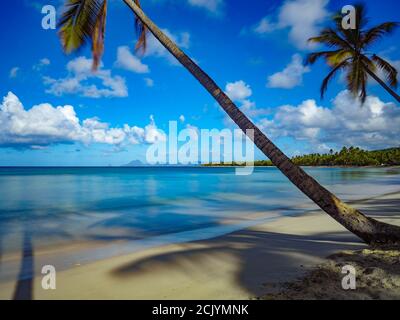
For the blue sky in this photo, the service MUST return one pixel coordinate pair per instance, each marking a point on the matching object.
(253, 50)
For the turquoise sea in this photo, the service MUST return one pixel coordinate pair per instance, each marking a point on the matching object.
(127, 209)
(132, 203)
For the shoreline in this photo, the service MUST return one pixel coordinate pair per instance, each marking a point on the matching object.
(186, 166)
(322, 167)
(244, 264)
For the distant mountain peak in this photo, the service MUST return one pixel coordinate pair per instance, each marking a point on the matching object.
(135, 163)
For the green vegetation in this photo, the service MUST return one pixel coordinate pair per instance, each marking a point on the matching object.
(351, 54)
(346, 157)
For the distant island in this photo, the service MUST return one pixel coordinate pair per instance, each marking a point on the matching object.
(135, 163)
(352, 157)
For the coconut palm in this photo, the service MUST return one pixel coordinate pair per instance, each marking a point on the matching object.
(84, 21)
(350, 54)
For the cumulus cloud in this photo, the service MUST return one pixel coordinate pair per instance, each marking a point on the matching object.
(126, 60)
(373, 125)
(78, 81)
(291, 76)
(238, 91)
(303, 19)
(44, 125)
(182, 118)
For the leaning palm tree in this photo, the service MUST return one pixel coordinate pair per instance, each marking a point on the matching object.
(84, 21)
(350, 54)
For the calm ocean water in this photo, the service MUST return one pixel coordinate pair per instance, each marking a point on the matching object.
(68, 205)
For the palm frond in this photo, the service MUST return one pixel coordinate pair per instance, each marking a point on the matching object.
(314, 56)
(389, 71)
(141, 31)
(357, 80)
(331, 74)
(77, 23)
(341, 55)
(333, 58)
(377, 32)
(98, 36)
(330, 38)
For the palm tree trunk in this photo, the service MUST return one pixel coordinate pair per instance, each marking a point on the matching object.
(369, 230)
(382, 83)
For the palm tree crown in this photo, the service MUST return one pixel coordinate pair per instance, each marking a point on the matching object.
(84, 21)
(350, 54)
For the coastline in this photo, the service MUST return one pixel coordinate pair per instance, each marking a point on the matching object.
(340, 167)
(241, 265)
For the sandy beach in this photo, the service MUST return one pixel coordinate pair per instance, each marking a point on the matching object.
(242, 265)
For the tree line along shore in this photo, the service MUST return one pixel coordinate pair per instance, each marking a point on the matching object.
(351, 157)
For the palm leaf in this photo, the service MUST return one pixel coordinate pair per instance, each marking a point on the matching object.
(141, 31)
(390, 71)
(357, 79)
(333, 58)
(98, 36)
(377, 32)
(330, 38)
(329, 77)
(77, 23)
(314, 56)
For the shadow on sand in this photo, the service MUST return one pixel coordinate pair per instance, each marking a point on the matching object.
(24, 286)
(263, 257)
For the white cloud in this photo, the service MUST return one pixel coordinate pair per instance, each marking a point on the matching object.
(13, 72)
(264, 26)
(376, 124)
(303, 18)
(41, 64)
(213, 6)
(44, 125)
(45, 61)
(126, 60)
(77, 81)
(238, 91)
(152, 134)
(291, 76)
(182, 118)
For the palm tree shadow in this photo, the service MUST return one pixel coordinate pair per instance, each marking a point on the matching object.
(24, 286)
(263, 257)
